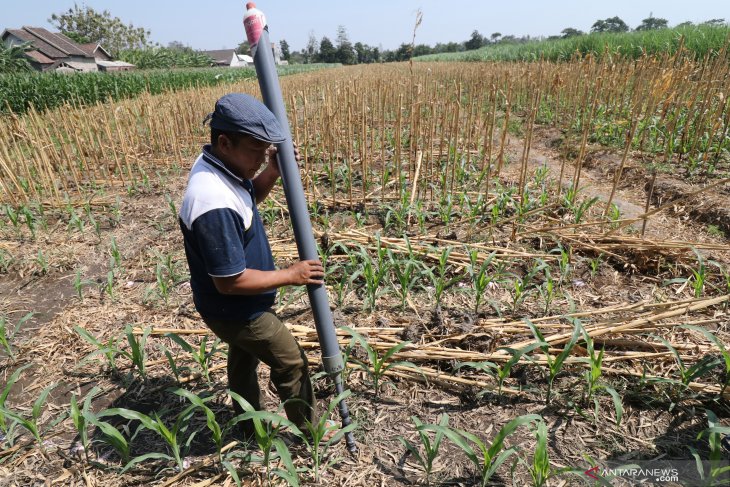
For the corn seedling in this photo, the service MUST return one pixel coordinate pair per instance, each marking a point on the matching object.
(79, 416)
(439, 278)
(4, 426)
(200, 355)
(719, 471)
(580, 210)
(724, 351)
(377, 365)
(500, 371)
(137, 354)
(486, 457)
(171, 435)
(316, 432)
(215, 430)
(267, 427)
(555, 364)
(5, 337)
(31, 423)
(30, 221)
(116, 255)
(374, 272)
(42, 262)
(6, 261)
(688, 374)
(79, 284)
(112, 437)
(430, 445)
(592, 376)
(547, 290)
(539, 469)
(481, 278)
(406, 273)
(110, 350)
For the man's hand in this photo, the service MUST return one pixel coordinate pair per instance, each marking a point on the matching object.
(306, 272)
(274, 162)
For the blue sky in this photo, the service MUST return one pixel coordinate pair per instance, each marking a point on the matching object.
(216, 24)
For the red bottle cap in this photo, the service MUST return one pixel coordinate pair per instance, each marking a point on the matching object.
(250, 5)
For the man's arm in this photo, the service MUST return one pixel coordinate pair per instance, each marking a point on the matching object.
(252, 281)
(266, 179)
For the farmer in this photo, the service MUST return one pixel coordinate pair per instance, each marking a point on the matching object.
(232, 272)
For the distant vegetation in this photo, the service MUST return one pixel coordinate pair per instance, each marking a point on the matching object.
(49, 90)
(700, 40)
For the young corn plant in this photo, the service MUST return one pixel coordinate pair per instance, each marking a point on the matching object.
(136, 353)
(718, 469)
(431, 443)
(171, 436)
(439, 275)
(500, 371)
(267, 428)
(109, 435)
(374, 273)
(688, 374)
(216, 431)
(555, 364)
(31, 423)
(407, 274)
(110, 350)
(6, 336)
(593, 375)
(724, 352)
(6, 428)
(200, 355)
(79, 416)
(316, 441)
(378, 365)
(486, 457)
(481, 278)
(539, 469)
(79, 284)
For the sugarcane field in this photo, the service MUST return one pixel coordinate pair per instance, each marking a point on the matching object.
(526, 263)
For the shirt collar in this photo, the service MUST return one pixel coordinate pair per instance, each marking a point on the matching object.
(211, 159)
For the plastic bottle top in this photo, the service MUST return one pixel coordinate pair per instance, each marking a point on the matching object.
(250, 5)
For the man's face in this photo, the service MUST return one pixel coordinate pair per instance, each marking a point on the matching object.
(245, 158)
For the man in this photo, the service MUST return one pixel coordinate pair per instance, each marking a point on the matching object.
(232, 271)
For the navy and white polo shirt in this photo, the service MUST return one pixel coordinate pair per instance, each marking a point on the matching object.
(223, 236)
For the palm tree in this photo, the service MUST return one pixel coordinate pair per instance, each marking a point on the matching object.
(13, 58)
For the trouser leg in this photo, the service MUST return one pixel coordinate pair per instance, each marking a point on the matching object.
(268, 340)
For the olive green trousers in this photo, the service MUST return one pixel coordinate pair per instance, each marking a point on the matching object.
(266, 339)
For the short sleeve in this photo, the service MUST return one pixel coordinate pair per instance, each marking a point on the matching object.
(219, 235)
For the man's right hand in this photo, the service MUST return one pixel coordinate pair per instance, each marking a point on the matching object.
(306, 272)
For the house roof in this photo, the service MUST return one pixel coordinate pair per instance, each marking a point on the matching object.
(39, 58)
(91, 47)
(221, 55)
(51, 45)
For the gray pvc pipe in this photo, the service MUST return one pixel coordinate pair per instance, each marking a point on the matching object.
(299, 212)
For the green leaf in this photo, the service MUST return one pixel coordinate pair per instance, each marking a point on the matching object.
(142, 458)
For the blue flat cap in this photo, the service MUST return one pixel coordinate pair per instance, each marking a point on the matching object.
(242, 113)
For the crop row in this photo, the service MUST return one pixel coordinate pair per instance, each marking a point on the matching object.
(45, 91)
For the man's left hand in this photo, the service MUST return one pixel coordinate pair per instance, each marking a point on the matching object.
(274, 161)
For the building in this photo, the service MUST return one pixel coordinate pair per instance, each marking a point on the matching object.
(229, 57)
(54, 51)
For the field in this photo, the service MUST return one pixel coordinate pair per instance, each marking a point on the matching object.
(527, 263)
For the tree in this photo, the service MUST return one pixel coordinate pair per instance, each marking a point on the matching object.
(243, 48)
(327, 52)
(570, 32)
(495, 36)
(310, 52)
(652, 23)
(284, 46)
(345, 52)
(13, 58)
(178, 46)
(476, 41)
(84, 24)
(612, 24)
(714, 22)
